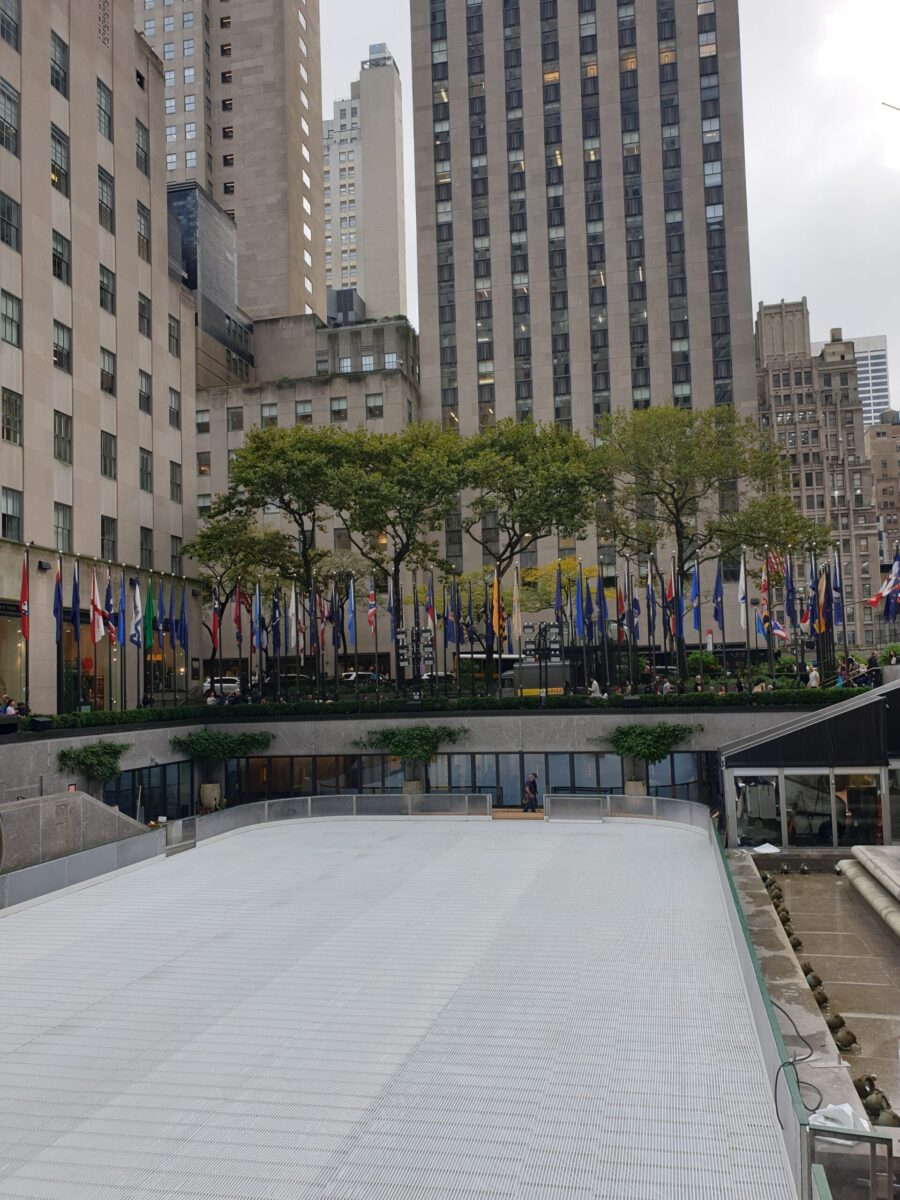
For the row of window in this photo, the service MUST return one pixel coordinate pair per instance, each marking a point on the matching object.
(11, 320)
(268, 417)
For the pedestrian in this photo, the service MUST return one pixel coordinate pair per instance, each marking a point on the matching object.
(874, 670)
(595, 690)
(814, 679)
(530, 795)
(698, 684)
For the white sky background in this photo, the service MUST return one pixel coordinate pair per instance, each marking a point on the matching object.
(823, 155)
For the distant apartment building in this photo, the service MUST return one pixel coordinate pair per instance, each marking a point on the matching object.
(243, 118)
(96, 338)
(365, 214)
(810, 403)
(883, 452)
(872, 372)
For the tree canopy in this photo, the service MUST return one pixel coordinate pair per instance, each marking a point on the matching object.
(230, 546)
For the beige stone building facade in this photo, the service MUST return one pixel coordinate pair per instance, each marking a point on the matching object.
(811, 404)
(582, 219)
(883, 452)
(243, 117)
(365, 207)
(97, 338)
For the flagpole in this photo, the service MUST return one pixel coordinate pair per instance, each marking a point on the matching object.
(840, 566)
(60, 681)
(820, 658)
(27, 639)
(770, 640)
(721, 578)
(747, 621)
(632, 648)
(139, 648)
(76, 616)
(123, 667)
(109, 699)
(470, 634)
(375, 635)
(700, 645)
(604, 614)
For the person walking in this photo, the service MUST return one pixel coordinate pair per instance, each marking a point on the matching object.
(530, 795)
(814, 680)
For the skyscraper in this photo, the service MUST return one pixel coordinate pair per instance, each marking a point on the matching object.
(582, 217)
(872, 374)
(244, 118)
(365, 214)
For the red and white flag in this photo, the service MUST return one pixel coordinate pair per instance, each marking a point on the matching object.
(372, 606)
(98, 617)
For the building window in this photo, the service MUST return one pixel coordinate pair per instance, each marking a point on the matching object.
(62, 528)
(175, 482)
(9, 118)
(227, 132)
(171, 162)
(62, 347)
(175, 555)
(374, 406)
(168, 51)
(203, 462)
(174, 336)
(189, 75)
(145, 392)
(107, 371)
(145, 470)
(61, 258)
(104, 110)
(234, 419)
(109, 539)
(143, 231)
(9, 22)
(344, 365)
(368, 362)
(108, 455)
(187, 47)
(62, 437)
(142, 148)
(107, 289)
(339, 408)
(11, 417)
(303, 412)
(106, 200)
(391, 362)
(146, 548)
(11, 514)
(10, 220)
(174, 408)
(190, 130)
(10, 319)
(144, 314)
(59, 64)
(268, 416)
(204, 503)
(203, 420)
(59, 160)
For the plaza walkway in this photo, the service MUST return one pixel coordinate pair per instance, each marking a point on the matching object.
(388, 1010)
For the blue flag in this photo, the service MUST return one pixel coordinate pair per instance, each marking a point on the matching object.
(173, 632)
(313, 620)
(813, 600)
(588, 612)
(557, 598)
(182, 620)
(790, 594)
(351, 613)
(718, 598)
(390, 608)
(120, 615)
(76, 606)
(695, 596)
(275, 624)
(651, 608)
(470, 621)
(602, 607)
(334, 617)
(58, 605)
(837, 589)
(255, 614)
(635, 618)
(450, 617)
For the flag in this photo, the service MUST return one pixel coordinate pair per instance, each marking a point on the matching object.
(826, 612)
(470, 621)
(429, 604)
(778, 631)
(766, 624)
(291, 640)
(742, 592)
(557, 597)
(635, 618)
(449, 616)
(651, 607)
(837, 588)
(488, 622)
(620, 614)
(588, 613)
(136, 636)
(670, 602)
(322, 618)
(497, 616)
(108, 613)
(812, 604)
(120, 615)
(718, 598)
(695, 596)
(237, 616)
(764, 585)
(351, 612)
(255, 615)
(390, 608)
(160, 615)
(457, 616)
(333, 616)
(314, 639)
(889, 585)
(23, 598)
(602, 607)
(216, 620)
(790, 596)
(516, 623)
(182, 620)
(75, 614)
(372, 609)
(97, 619)
(173, 633)
(579, 606)
(275, 624)
(58, 604)
(676, 607)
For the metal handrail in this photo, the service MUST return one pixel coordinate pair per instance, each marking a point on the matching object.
(613, 806)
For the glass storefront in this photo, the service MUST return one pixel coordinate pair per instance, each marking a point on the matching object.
(152, 792)
(807, 800)
(758, 810)
(12, 659)
(858, 810)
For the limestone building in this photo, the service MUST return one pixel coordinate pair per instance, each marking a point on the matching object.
(872, 373)
(365, 214)
(883, 452)
(244, 119)
(96, 336)
(811, 404)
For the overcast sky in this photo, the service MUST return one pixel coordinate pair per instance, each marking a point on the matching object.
(823, 155)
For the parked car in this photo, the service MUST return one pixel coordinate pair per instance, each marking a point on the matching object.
(229, 685)
(439, 677)
(290, 683)
(365, 678)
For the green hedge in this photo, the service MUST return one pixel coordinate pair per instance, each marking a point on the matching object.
(240, 713)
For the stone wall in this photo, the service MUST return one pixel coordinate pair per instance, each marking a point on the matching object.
(50, 827)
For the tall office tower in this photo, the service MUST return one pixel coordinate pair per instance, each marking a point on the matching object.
(883, 452)
(810, 402)
(582, 215)
(97, 349)
(244, 119)
(365, 213)
(872, 372)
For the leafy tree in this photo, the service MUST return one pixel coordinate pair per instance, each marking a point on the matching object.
(338, 567)
(648, 743)
(98, 762)
(290, 471)
(773, 521)
(529, 481)
(394, 492)
(213, 746)
(414, 744)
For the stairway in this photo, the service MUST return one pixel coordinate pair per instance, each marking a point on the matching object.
(875, 873)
